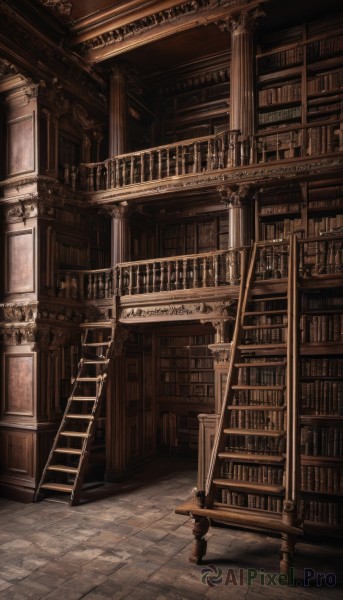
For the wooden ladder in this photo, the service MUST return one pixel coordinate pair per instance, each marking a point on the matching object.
(252, 478)
(69, 455)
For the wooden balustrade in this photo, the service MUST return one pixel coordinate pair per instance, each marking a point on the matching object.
(225, 150)
(85, 285)
(272, 260)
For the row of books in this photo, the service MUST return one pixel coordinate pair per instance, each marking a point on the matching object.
(255, 474)
(263, 420)
(254, 501)
(328, 203)
(326, 193)
(326, 82)
(280, 230)
(314, 302)
(262, 376)
(256, 444)
(321, 441)
(321, 397)
(281, 59)
(274, 209)
(321, 479)
(174, 389)
(324, 48)
(317, 225)
(322, 512)
(290, 92)
(321, 367)
(68, 254)
(258, 397)
(265, 336)
(321, 328)
(186, 340)
(284, 114)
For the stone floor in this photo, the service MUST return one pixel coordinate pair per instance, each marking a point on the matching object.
(125, 541)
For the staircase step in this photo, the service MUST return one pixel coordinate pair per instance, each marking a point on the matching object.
(254, 407)
(249, 365)
(258, 432)
(63, 469)
(252, 458)
(266, 488)
(75, 451)
(74, 434)
(84, 398)
(57, 487)
(279, 388)
(76, 416)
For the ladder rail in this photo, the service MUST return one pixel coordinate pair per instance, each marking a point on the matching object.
(289, 376)
(295, 382)
(243, 296)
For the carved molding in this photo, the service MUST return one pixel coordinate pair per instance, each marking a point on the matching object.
(35, 206)
(57, 312)
(14, 335)
(6, 68)
(62, 7)
(242, 22)
(18, 313)
(221, 352)
(172, 310)
(166, 16)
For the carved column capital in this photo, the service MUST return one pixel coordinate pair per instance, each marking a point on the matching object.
(246, 20)
(118, 211)
(237, 195)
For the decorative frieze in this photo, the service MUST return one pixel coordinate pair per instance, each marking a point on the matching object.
(33, 206)
(62, 7)
(172, 310)
(18, 313)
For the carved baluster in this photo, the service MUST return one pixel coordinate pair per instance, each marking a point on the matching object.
(124, 170)
(264, 151)
(81, 286)
(154, 277)
(130, 280)
(196, 163)
(210, 155)
(195, 273)
(107, 283)
(142, 167)
(138, 281)
(252, 150)
(168, 162)
(329, 139)
(162, 272)
(91, 179)
(147, 278)
(94, 286)
(132, 169)
(184, 273)
(177, 160)
(204, 272)
(159, 164)
(177, 275)
(215, 154)
(216, 269)
(151, 166)
(97, 177)
(101, 285)
(183, 160)
(89, 287)
(169, 274)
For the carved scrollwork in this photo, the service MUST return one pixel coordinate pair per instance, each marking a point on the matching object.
(221, 352)
(33, 206)
(164, 311)
(17, 313)
(62, 7)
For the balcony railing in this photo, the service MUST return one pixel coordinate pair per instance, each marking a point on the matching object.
(190, 157)
(316, 257)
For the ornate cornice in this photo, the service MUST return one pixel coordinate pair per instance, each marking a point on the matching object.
(62, 7)
(6, 68)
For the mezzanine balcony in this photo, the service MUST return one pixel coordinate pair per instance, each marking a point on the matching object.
(210, 161)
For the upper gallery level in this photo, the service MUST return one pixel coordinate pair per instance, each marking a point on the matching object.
(128, 102)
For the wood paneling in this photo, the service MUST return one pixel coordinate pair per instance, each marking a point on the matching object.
(17, 456)
(20, 263)
(18, 384)
(20, 145)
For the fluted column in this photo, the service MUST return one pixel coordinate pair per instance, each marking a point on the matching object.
(118, 112)
(239, 204)
(242, 102)
(120, 234)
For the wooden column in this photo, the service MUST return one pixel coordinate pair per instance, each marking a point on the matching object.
(239, 203)
(242, 104)
(120, 234)
(118, 112)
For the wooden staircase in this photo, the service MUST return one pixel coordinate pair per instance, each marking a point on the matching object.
(252, 479)
(66, 465)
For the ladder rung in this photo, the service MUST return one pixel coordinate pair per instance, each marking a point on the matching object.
(94, 379)
(257, 313)
(76, 416)
(76, 451)
(63, 469)
(260, 364)
(100, 361)
(57, 487)
(75, 434)
(268, 299)
(260, 458)
(250, 347)
(278, 388)
(84, 398)
(96, 325)
(97, 344)
(253, 327)
(259, 432)
(266, 488)
(254, 407)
